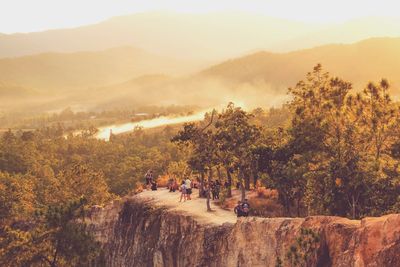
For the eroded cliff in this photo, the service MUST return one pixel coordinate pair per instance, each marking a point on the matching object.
(141, 231)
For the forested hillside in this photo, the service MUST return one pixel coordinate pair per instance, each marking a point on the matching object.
(48, 181)
(331, 150)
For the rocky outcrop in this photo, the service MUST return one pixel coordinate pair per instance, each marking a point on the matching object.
(136, 232)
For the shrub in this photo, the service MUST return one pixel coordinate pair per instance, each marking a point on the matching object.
(264, 207)
(162, 180)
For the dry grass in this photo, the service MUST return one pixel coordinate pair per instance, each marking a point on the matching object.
(263, 202)
(228, 204)
(265, 207)
(266, 193)
(266, 204)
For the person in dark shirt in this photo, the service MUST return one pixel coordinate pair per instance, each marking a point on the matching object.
(217, 188)
(226, 184)
(153, 185)
(238, 209)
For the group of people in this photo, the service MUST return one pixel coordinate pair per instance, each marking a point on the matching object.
(212, 187)
(242, 209)
(186, 189)
(215, 189)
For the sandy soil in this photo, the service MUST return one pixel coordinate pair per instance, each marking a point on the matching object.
(195, 207)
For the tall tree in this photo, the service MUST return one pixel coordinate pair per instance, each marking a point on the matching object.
(236, 134)
(200, 137)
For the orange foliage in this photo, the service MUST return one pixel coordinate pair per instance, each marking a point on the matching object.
(265, 207)
(162, 180)
(265, 193)
(139, 187)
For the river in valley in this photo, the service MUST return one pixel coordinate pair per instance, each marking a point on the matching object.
(104, 132)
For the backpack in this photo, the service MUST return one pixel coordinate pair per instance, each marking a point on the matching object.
(245, 207)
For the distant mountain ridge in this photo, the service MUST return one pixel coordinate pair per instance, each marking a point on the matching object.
(204, 38)
(59, 71)
(262, 78)
(345, 33)
(359, 63)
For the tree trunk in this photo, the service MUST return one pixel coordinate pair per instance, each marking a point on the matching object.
(242, 187)
(54, 261)
(247, 181)
(287, 204)
(208, 190)
(201, 189)
(353, 208)
(283, 199)
(229, 189)
(219, 174)
(255, 178)
(298, 206)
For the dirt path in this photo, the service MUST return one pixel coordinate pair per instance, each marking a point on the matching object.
(195, 207)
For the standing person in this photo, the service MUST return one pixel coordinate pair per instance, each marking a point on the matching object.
(173, 186)
(206, 189)
(213, 190)
(188, 184)
(217, 188)
(169, 184)
(238, 209)
(149, 178)
(183, 192)
(226, 184)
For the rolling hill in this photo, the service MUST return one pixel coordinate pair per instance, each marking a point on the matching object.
(57, 71)
(359, 63)
(10, 91)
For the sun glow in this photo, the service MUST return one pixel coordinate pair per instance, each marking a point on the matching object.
(26, 15)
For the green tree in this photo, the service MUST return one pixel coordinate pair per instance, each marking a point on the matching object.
(236, 138)
(81, 181)
(55, 237)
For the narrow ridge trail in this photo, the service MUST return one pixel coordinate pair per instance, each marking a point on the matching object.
(196, 207)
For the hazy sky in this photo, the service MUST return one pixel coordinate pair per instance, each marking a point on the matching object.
(36, 15)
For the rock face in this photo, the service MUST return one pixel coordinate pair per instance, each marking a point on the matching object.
(135, 232)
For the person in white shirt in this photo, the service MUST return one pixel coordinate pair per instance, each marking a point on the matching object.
(188, 184)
